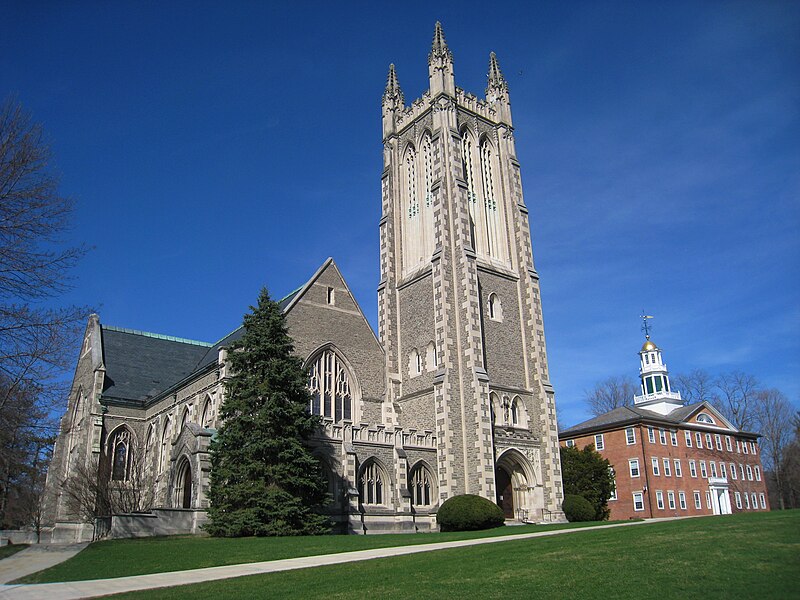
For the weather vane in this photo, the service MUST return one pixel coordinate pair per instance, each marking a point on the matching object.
(645, 325)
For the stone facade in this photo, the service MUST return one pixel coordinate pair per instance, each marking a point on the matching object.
(452, 396)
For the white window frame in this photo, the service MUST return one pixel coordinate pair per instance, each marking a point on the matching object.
(718, 441)
(633, 463)
(723, 472)
(662, 436)
(698, 501)
(713, 466)
(744, 448)
(682, 500)
(599, 442)
(640, 501)
(659, 500)
(688, 435)
(656, 469)
(709, 443)
(651, 435)
(667, 468)
(692, 468)
(708, 500)
(728, 443)
(570, 443)
(703, 470)
(746, 500)
(678, 470)
(671, 499)
(738, 447)
(733, 471)
(749, 473)
(753, 448)
(741, 471)
(754, 501)
(738, 499)
(757, 469)
(698, 438)
(630, 436)
(673, 437)
(763, 500)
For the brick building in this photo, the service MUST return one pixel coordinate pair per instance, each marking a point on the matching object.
(451, 396)
(670, 459)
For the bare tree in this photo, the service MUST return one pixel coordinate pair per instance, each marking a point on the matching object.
(790, 468)
(737, 398)
(695, 386)
(35, 337)
(773, 413)
(610, 394)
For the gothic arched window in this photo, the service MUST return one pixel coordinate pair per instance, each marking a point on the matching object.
(495, 308)
(372, 484)
(206, 419)
(121, 453)
(477, 223)
(166, 438)
(423, 487)
(492, 206)
(411, 227)
(427, 205)
(515, 420)
(329, 383)
(184, 418)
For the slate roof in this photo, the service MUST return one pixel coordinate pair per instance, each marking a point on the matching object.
(140, 365)
(630, 414)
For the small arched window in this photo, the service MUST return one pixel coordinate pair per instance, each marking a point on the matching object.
(495, 308)
(121, 453)
(372, 484)
(414, 363)
(515, 412)
(166, 438)
(497, 409)
(185, 418)
(329, 383)
(422, 486)
(705, 418)
(206, 419)
(431, 360)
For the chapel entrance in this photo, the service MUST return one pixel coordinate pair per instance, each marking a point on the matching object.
(183, 490)
(505, 492)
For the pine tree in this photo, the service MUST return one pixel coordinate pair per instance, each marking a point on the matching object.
(264, 479)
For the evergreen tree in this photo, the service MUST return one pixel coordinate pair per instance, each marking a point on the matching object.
(264, 479)
(586, 473)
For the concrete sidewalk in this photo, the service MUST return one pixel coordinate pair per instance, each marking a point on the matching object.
(103, 587)
(36, 558)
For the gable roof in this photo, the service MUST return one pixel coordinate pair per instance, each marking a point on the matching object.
(141, 365)
(627, 415)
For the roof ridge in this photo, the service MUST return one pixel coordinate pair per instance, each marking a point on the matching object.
(158, 336)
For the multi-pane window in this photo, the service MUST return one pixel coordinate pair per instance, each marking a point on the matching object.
(733, 471)
(758, 473)
(703, 470)
(630, 436)
(744, 448)
(763, 501)
(708, 441)
(728, 444)
(741, 470)
(738, 447)
(718, 441)
(746, 501)
(570, 443)
(698, 503)
(738, 497)
(371, 484)
(662, 437)
(722, 471)
(667, 469)
(692, 468)
(121, 455)
(329, 384)
(708, 500)
(599, 444)
(633, 465)
(754, 502)
(422, 486)
(713, 468)
(749, 472)
(673, 436)
(660, 500)
(671, 499)
(651, 435)
(698, 437)
(753, 447)
(688, 436)
(655, 467)
(682, 500)
(638, 501)
(678, 471)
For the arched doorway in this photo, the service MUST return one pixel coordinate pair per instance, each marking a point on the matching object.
(516, 486)
(505, 492)
(183, 487)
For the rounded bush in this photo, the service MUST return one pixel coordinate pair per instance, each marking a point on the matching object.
(469, 513)
(577, 508)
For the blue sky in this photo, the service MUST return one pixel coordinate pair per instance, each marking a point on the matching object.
(213, 149)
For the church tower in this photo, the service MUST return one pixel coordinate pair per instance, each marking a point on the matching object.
(459, 308)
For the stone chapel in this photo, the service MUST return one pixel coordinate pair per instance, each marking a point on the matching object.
(451, 397)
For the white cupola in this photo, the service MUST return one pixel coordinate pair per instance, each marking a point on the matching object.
(657, 395)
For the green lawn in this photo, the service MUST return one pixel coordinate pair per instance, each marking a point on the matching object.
(119, 558)
(753, 555)
(9, 549)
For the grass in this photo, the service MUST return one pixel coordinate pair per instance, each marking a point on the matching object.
(754, 555)
(8, 550)
(120, 558)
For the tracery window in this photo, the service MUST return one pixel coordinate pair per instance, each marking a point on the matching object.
(422, 486)
(329, 383)
(412, 228)
(121, 453)
(371, 484)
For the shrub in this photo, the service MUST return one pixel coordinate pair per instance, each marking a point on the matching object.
(469, 513)
(577, 508)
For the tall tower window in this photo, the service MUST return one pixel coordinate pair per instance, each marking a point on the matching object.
(411, 227)
(492, 207)
(329, 384)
